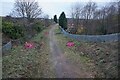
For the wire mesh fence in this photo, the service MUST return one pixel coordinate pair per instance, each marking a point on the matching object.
(93, 38)
(6, 47)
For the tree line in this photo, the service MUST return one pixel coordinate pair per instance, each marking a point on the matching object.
(23, 21)
(96, 20)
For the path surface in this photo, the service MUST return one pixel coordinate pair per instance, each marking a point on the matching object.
(63, 67)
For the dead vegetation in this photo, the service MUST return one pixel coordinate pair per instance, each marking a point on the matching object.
(100, 58)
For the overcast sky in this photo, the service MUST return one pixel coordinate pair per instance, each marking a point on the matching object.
(50, 7)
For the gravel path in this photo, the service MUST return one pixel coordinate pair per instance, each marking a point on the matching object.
(63, 67)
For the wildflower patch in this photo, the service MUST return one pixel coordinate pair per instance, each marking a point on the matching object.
(29, 45)
(70, 44)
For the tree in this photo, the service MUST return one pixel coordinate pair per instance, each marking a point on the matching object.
(63, 20)
(76, 15)
(27, 8)
(83, 15)
(55, 18)
(88, 14)
(93, 17)
(46, 20)
(88, 10)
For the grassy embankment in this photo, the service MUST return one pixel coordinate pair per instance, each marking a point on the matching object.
(33, 63)
(71, 53)
(100, 58)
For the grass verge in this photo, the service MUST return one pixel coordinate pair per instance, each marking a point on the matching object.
(29, 63)
(71, 53)
(100, 58)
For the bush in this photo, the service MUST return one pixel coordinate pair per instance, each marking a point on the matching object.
(38, 27)
(12, 31)
(81, 30)
(71, 30)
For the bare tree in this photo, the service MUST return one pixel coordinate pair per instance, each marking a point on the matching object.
(112, 17)
(76, 14)
(27, 8)
(88, 14)
(107, 16)
(92, 17)
(46, 20)
(89, 10)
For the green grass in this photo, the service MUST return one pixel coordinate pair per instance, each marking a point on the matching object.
(33, 63)
(40, 36)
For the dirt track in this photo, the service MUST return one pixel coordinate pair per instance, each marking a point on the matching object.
(63, 67)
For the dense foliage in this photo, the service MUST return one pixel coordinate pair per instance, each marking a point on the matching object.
(12, 30)
(63, 20)
(38, 27)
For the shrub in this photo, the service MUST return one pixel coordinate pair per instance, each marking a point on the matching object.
(38, 27)
(80, 30)
(71, 30)
(12, 31)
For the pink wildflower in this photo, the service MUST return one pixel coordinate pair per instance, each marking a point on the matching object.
(28, 45)
(70, 44)
(46, 33)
